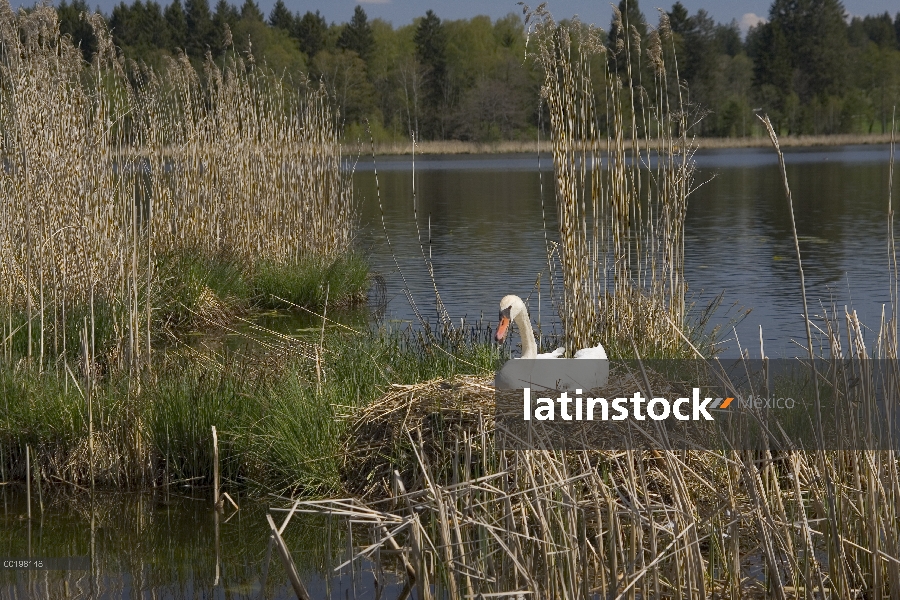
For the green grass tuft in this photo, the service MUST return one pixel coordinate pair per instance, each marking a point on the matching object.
(306, 282)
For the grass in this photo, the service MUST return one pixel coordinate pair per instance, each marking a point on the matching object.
(199, 291)
(278, 410)
(343, 281)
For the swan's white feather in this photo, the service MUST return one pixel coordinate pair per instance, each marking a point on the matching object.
(555, 354)
(596, 352)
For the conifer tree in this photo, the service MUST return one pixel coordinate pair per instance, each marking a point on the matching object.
(225, 14)
(281, 17)
(200, 32)
(250, 11)
(431, 52)
(177, 25)
(71, 23)
(621, 38)
(816, 36)
(357, 36)
(310, 32)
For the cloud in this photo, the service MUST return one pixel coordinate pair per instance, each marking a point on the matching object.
(749, 20)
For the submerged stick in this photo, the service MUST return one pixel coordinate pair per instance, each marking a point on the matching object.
(217, 503)
(230, 499)
(288, 562)
(28, 479)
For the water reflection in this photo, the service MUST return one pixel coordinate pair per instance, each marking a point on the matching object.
(173, 545)
(481, 220)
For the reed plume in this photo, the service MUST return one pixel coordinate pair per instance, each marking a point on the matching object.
(110, 166)
(622, 165)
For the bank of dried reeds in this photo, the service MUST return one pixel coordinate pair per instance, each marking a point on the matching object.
(109, 168)
(533, 146)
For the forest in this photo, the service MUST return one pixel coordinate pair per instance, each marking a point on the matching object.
(810, 67)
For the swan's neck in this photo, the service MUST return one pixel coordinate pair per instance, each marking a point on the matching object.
(529, 347)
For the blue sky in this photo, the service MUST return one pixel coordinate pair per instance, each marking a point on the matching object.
(401, 12)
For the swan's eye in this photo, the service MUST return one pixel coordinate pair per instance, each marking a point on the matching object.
(504, 314)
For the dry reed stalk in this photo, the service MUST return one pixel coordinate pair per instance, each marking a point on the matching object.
(622, 163)
(107, 169)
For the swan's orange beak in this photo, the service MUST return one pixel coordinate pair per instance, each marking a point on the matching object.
(503, 327)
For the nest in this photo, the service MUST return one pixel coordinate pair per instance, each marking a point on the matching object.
(431, 421)
(447, 428)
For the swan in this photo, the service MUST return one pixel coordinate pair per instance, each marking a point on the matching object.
(512, 309)
(559, 374)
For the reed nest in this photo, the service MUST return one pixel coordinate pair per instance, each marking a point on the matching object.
(441, 420)
(440, 413)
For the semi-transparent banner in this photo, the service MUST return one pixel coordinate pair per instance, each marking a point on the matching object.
(734, 404)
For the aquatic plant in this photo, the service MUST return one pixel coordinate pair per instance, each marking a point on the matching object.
(113, 174)
(622, 169)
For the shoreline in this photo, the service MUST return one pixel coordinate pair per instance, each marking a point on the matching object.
(532, 146)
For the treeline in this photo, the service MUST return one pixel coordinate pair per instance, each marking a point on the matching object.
(808, 67)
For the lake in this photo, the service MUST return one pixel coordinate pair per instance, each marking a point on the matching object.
(480, 218)
(171, 544)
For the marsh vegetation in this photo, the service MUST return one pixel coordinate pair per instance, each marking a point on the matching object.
(142, 205)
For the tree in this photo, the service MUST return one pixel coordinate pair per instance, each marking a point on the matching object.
(177, 25)
(678, 18)
(281, 17)
(767, 46)
(250, 11)
(357, 35)
(310, 32)
(880, 30)
(72, 24)
(141, 27)
(225, 15)
(509, 32)
(200, 32)
(816, 35)
(897, 28)
(271, 46)
(431, 52)
(344, 74)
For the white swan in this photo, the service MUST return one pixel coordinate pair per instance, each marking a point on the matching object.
(512, 309)
(559, 374)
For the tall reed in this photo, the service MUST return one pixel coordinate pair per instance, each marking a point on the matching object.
(110, 167)
(622, 166)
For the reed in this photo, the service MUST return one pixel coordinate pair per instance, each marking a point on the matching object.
(622, 166)
(121, 185)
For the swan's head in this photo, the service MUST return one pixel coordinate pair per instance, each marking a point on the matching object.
(510, 309)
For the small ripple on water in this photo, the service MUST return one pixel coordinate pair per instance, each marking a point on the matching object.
(487, 239)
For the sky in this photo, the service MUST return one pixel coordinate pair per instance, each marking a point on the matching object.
(402, 12)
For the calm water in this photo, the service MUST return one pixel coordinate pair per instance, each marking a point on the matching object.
(483, 217)
(174, 546)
